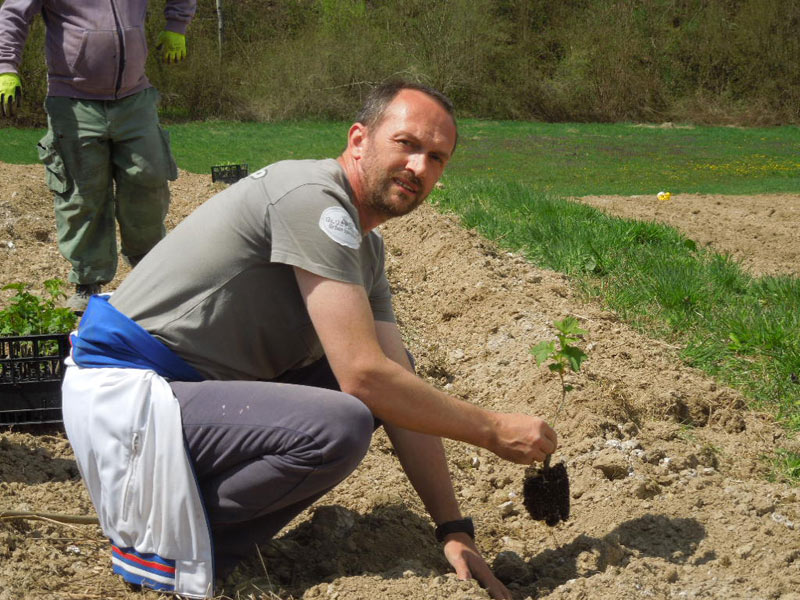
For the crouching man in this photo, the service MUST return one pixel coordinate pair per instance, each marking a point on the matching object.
(238, 373)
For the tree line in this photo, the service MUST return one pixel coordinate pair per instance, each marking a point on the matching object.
(700, 61)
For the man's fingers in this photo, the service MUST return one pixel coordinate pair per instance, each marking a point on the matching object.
(173, 58)
(468, 564)
(553, 444)
(498, 591)
(487, 579)
(462, 570)
(9, 103)
(550, 434)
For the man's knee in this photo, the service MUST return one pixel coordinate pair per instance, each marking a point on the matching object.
(351, 430)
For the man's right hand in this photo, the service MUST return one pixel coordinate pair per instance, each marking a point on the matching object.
(10, 93)
(523, 439)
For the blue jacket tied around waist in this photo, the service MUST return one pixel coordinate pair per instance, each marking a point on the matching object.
(108, 338)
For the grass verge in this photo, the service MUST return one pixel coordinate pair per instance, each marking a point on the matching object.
(742, 330)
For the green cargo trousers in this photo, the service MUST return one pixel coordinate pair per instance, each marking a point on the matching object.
(106, 161)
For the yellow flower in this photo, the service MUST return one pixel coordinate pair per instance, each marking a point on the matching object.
(663, 196)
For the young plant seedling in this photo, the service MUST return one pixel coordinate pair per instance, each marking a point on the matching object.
(30, 314)
(546, 490)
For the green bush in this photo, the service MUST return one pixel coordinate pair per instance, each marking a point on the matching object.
(723, 62)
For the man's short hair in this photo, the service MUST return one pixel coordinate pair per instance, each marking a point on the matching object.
(379, 98)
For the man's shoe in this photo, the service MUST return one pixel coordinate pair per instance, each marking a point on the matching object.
(80, 299)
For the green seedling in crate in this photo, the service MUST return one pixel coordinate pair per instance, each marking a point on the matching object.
(30, 314)
(546, 490)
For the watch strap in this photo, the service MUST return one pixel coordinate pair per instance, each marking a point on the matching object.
(457, 526)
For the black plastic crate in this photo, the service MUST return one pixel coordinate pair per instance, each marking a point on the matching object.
(228, 173)
(31, 370)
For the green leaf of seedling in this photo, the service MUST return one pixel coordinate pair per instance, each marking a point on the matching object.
(543, 351)
(54, 288)
(575, 356)
(564, 356)
(28, 314)
(569, 326)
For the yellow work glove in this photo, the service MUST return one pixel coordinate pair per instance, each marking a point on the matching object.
(172, 46)
(10, 92)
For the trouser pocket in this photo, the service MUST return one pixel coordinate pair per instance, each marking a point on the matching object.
(56, 175)
(172, 167)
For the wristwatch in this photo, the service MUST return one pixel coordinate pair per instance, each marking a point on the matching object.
(459, 526)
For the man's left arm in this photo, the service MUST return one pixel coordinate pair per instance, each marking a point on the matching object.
(423, 459)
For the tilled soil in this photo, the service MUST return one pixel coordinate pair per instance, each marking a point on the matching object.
(761, 232)
(668, 482)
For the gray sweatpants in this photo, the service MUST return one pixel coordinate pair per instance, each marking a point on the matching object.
(265, 451)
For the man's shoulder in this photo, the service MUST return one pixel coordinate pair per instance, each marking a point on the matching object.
(295, 173)
(308, 182)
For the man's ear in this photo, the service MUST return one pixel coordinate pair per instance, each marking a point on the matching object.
(356, 139)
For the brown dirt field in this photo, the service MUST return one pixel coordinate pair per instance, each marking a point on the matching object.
(761, 232)
(670, 497)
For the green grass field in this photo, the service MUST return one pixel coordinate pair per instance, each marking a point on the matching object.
(509, 180)
(561, 159)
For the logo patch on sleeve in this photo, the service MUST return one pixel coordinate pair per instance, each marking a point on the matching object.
(338, 225)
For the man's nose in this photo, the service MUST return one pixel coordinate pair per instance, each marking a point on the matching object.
(418, 164)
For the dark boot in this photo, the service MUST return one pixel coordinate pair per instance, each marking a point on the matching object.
(80, 299)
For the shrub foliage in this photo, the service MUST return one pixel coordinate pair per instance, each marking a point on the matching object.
(716, 62)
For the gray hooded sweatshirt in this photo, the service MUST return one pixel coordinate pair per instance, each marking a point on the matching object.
(95, 49)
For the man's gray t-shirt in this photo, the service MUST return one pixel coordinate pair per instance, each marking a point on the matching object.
(220, 289)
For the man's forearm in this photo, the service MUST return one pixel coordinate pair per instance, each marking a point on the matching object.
(435, 409)
(423, 459)
(368, 359)
(407, 401)
(178, 14)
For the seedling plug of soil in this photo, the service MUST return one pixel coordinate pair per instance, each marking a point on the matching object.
(546, 490)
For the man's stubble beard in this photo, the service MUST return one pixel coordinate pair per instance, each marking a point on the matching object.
(379, 197)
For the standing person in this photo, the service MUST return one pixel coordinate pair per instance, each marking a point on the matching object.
(260, 331)
(106, 157)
